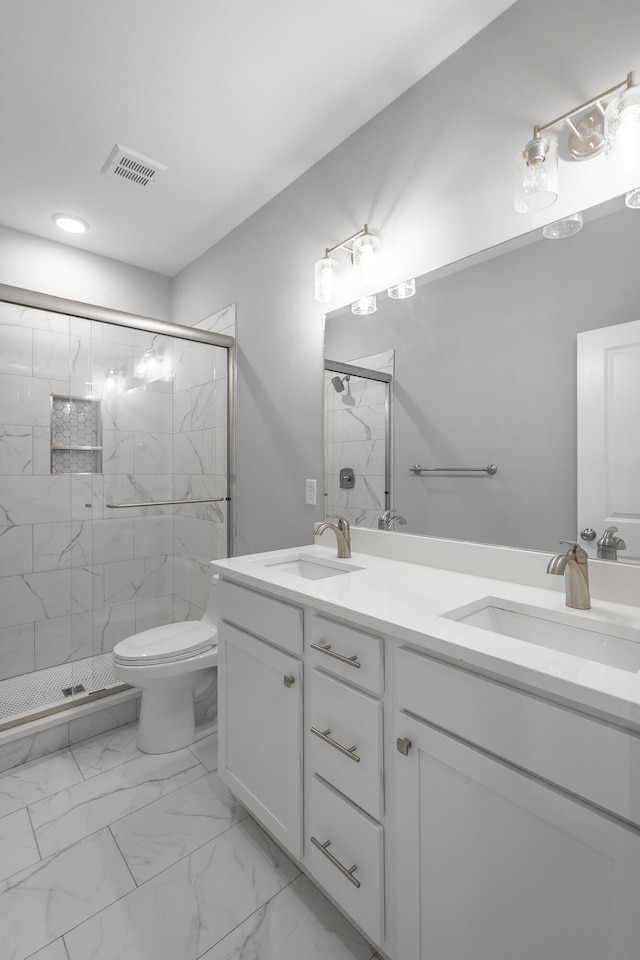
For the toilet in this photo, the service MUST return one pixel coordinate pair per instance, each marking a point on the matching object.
(168, 663)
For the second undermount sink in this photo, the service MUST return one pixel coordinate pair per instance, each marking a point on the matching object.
(603, 643)
(310, 568)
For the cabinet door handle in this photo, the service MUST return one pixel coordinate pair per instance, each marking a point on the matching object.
(326, 648)
(288, 681)
(348, 873)
(403, 745)
(347, 751)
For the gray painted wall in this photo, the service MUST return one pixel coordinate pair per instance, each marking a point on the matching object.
(485, 371)
(411, 174)
(64, 271)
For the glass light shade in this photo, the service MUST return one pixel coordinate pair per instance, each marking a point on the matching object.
(401, 291)
(364, 306)
(566, 227)
(537, 180)
(632, 199)
(71, 224)
(622, 120)
(326, 280)
(366, 260)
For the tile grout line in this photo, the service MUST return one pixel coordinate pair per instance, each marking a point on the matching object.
(136, 887)
(184, 856)
(263, 906)
(93, 832)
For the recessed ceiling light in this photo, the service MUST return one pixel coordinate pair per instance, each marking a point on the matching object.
(71, 224)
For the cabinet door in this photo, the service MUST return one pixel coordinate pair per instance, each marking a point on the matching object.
(260, 732)
(493, 864)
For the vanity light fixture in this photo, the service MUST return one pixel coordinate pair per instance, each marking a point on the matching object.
(592, 129)
(402, 291)
(567, 227)
(71, 224)
(363, 249)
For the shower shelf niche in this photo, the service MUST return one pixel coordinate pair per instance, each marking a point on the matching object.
(76, 435)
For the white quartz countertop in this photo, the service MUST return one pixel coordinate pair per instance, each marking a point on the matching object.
(410, 601)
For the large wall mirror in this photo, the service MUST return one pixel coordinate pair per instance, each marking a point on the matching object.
(483, 362)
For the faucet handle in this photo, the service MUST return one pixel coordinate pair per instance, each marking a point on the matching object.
(576, 550)
(342, 521)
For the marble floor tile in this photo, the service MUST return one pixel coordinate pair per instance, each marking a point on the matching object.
(206, 750)
(54, 951)
(18, 848)
(299, 922)
(86, 807)
(107, 750)
(186, 909)
(39, 904)
(165, 831)
(36, 779)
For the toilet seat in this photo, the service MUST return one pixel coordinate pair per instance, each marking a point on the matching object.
(166, 644)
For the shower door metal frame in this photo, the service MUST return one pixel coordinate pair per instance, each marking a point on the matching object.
(90, 311)
(76, 308)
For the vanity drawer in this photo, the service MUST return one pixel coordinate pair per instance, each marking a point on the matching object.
(353, 840)
(590, 758)
(347, 653)
(346, 718)
(272, 620)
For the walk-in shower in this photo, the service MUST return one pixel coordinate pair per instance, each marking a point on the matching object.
(115, 459)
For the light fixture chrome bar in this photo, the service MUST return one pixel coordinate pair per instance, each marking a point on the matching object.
(491, 469)
(343, 243)
(629, 82)
(162, 503)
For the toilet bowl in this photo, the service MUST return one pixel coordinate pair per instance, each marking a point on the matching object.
(167, 663)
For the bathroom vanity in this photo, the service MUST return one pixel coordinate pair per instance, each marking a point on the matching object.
(454, 759)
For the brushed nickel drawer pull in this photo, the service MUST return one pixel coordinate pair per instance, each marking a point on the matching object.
(350, 661)
(288, 681)
(403, 745)
(347, 751)
(348, 873)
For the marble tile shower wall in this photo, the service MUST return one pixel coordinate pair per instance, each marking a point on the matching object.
(75, 575)
(355, 438)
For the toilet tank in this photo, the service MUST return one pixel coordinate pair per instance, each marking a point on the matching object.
(211, 613)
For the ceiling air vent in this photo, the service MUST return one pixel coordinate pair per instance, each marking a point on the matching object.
(129, 165)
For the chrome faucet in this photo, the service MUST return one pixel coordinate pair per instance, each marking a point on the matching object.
(573, 564)
(342, 531)
(388, 519)
(608, 545)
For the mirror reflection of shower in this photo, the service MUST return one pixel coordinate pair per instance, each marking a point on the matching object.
(357, 405)
(339, 382)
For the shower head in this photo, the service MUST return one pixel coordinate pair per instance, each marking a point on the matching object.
(338, 383)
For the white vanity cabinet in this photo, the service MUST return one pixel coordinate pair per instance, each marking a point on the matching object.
(260, 709)
(344, 783)
(495, 862)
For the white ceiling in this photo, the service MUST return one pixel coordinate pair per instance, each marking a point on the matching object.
(236, 97)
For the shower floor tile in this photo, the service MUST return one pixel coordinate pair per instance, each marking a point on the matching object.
(211, 884)
(31, 692)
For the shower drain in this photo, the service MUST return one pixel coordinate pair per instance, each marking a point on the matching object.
(71, 691)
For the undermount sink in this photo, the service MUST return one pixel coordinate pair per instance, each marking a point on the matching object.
(602, 643)
(310, 568)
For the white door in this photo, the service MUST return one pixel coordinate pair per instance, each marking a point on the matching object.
(260, 724)
(609, 435)
(495, 865)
